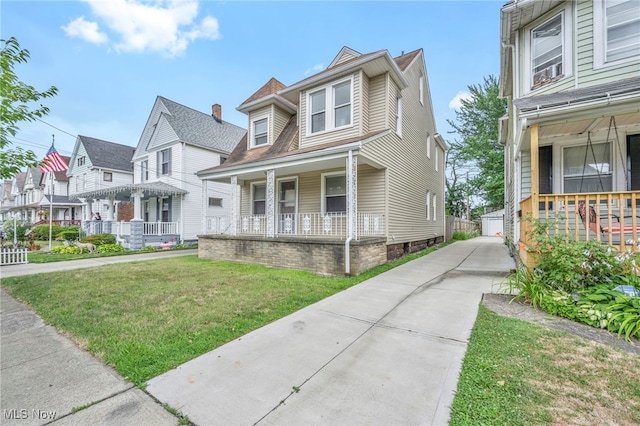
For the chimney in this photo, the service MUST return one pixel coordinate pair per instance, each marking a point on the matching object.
(216, 112)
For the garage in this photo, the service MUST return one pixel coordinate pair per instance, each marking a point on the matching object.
(493, 223)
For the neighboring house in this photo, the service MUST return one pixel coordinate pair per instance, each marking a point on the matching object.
(27, 190)
(571, 73)
(98, 165)
(7, 199)
(66, 211)
(168, 198)
(338, 173)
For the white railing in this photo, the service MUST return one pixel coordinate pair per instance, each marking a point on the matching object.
(160, 228)
(13, 256)
(298, 224)
(121, 228)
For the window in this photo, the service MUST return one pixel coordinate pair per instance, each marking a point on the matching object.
(547, 51)
(164, 162)
(144, 170)
(618, 24)
(223, 159)
(259, 198)
(260, 132)
(334, 193)
(587, 170)
(399, 116)
(320, 117)
(428, 145)
(84, 181)
(165, 204)
(107, 176)
(435, 208)
(428, 209)
(81, 160)
(437, 157)
(421, 90)
(215, 202)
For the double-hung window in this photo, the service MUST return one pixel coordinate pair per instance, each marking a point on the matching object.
(260, 132)
(330, 107)
(616, 31)
(164, 162)
(259, 198)
(587, 168)
(399, 116)
(144, 170)
(335, 193)
(547, 51)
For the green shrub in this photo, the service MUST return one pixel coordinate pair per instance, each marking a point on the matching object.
(69, 233)
(42, 231)
(149, 249)
(110, 248)
(465, 235)
(186, 246)
(65, 250)
(22, 226)
(99, 239)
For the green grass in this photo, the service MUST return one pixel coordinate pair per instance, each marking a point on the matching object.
(145, 318)
(518, 373)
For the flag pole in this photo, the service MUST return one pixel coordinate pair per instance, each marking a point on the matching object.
(51, 197)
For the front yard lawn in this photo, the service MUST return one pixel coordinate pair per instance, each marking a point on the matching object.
(145, 318)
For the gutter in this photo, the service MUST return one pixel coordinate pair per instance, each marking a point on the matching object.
(541, 111)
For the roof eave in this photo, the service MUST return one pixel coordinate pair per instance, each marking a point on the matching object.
(273, 98)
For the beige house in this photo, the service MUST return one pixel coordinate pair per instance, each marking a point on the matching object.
(571, 73)
(338, 172)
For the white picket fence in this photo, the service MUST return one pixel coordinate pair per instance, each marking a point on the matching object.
(13, 256)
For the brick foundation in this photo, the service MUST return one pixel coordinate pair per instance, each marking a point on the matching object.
(325, 257)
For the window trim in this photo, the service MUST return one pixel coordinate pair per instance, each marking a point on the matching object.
(82, 160)
(330, 107)
(252, 130)
(600, 43)
(144, 170)
(253, 200)
(104, 176)
(612, 163)
(435, 207)
(428, 205)
(215, 202)
(421, 90)
(399, 116)
(323, 191)
(161, 162)
(437, 159)
(428, 145)
(566, 16)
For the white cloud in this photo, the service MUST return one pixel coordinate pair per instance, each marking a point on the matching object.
(314, 69)
(456, 102)
(85, 30)
(159, 26)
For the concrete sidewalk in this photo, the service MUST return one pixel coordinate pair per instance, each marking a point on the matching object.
(39, 268)
(44, 377)
(387, 351)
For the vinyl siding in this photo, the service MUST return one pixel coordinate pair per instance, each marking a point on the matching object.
(525, 179)
(280, 120)
(409, 173)
(365, 105)
(344, 58)
(163, 135)
(332, 135)
(149, 130)
(377, 94)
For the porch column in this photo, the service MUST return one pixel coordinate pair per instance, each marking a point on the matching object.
(234, 205)
(88, 212)
(205, 207)
(270, 209)
(111, 207)
(137, 205)
(352, 196)
(535, 176)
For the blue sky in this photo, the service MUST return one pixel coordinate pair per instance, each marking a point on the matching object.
(110, 59)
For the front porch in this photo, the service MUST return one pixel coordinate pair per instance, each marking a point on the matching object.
(608, 217)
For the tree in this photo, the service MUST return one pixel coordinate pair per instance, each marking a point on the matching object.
(478, 150)
(16, 106)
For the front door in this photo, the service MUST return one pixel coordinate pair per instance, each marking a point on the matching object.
(287, 204)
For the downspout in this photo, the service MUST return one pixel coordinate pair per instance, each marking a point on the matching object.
(182, 200)
(347, 242)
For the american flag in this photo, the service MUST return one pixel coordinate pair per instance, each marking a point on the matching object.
(53, 162)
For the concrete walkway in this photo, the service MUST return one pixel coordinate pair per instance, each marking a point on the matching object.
(387, 351)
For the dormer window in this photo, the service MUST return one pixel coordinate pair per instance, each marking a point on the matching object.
(330, 107)
(260, 132)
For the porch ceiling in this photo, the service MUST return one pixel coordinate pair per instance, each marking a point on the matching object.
(563, 128)
(124, 192)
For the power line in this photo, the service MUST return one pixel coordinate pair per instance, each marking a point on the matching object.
(58, 129)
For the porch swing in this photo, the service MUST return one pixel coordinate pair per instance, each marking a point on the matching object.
(593, 223)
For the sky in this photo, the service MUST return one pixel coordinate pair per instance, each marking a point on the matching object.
(110, 59)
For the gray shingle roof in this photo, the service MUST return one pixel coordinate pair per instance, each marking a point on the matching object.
(570, 97)
(108, 155)
(200, 129)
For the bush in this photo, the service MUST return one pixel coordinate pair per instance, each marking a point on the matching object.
(110, 248)
(22, 226)
(149, 249)
(464, 235)
(70, 233)
(99, 239)
(65, 250)
(41, 232)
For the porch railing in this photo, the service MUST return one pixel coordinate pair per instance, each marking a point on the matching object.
(609, 217)
(298, 224)
(149, 228)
